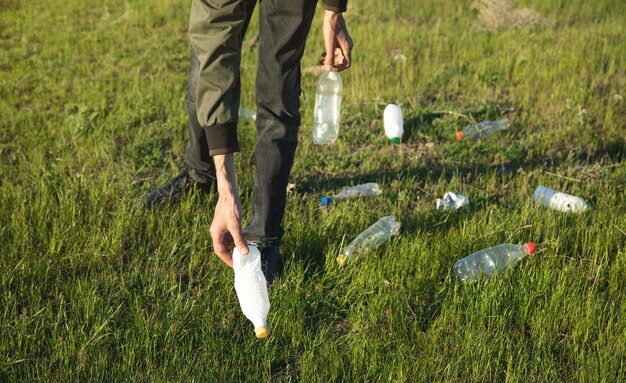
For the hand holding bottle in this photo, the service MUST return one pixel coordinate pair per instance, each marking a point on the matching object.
(338, 43)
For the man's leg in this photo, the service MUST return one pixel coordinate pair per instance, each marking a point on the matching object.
(199, 171)
(284, 25)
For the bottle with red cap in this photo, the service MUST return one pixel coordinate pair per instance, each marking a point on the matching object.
(482, 130)
(491, 261)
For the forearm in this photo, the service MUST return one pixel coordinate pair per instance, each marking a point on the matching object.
(225, 175)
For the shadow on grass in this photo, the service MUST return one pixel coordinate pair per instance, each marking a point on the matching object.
(612, 150)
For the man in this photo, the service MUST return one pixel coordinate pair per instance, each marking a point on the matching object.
(216, 30)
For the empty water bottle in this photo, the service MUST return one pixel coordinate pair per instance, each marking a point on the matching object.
(251, 289)
(493, 260)
(365, 190)
(559, 201)
(374, 236)
(247, 114)
(482, 130)
(392, 118)
(327, 108)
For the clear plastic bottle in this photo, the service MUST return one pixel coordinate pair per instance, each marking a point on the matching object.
(482, 130)
(251, 288)
(487, 262)
(372, 237)
(247, 114)
(559, 201)
(365, 190)
(392, 118)
(327, 108)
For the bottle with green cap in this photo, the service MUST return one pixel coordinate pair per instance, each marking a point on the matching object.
(251, 289)
(491, 261)
(392, 118)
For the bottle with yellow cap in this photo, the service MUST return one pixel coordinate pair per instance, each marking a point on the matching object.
(251, 289)
(491, 261)
(482, 130)
(372, 237)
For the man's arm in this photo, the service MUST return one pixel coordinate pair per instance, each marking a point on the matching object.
(337, 41)
(226, 226)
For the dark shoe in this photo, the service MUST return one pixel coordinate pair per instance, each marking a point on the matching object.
(271, 263)
(174, 189)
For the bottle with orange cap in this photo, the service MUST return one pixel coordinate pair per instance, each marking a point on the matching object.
(491, 261)
(482, 129)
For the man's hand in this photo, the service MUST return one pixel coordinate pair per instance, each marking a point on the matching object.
(226, 226)
(338, 41)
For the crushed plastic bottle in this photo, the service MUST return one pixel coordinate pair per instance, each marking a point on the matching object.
(327, 108)
(559, 201)
(372, 237)
(251, 288)
(393, 121)
(365, 190)
(452, 201)
(482, 130)
(488, 262)
(247, 114)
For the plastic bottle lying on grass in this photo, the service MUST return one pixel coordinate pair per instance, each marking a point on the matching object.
(557, 200)
(365, 190)
(392, 118)
(482, 130)
(374, 236)
(251, 289)
(488, 262)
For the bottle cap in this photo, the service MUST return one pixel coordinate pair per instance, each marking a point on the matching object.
(530, 247)
(395, 140)
(341, 260)
(261, 332)
(459, 135)
(326, 201)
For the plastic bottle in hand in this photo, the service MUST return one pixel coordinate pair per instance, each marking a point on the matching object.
(365, 190)
(374, 236)
(493, 260)
(251, 289)
(559, 201)
(247, 114)
(327, 108)
(392, 118)
(482, 129)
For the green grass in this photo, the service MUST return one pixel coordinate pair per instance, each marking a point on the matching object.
(94, 288)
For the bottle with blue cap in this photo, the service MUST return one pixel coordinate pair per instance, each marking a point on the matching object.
(371, 189)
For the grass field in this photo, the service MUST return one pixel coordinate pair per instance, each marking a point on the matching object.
(95, 288)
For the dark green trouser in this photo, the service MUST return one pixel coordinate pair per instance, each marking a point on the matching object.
(216, 31)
